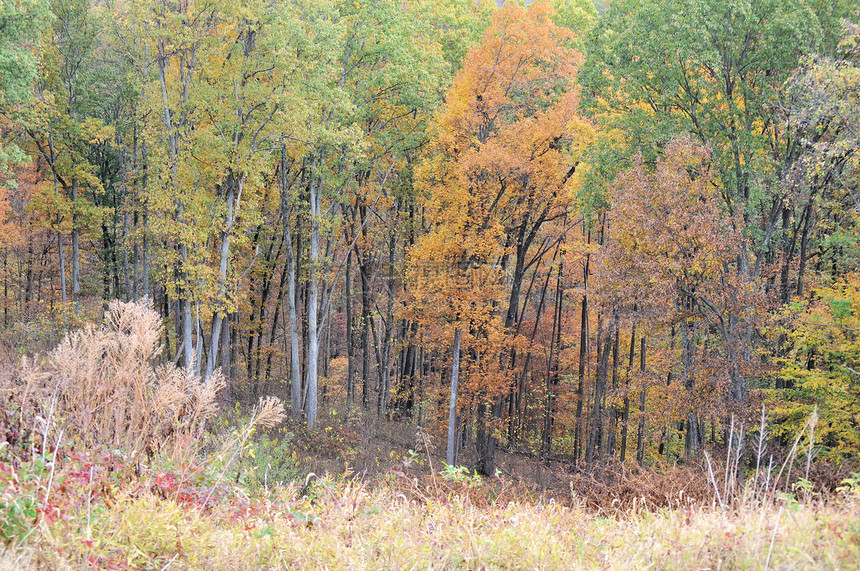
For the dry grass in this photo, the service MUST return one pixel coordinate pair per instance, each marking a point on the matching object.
(99, 388)
(349, 525)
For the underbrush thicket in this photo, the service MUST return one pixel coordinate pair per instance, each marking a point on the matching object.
(109, 461)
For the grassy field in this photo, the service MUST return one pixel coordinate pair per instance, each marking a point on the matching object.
(413, 523)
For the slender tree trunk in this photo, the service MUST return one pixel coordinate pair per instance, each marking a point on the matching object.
(350, 338)
(187, 322)
(233, 194)
(552, 373)
(60, 251)
(292, 294)
(226, 342)
(388, 323)
(452, 406)
(625, 419)
(408, 371)
(275, 319)
(135, 295)
(146, 290)
(252, 291)
(593, 448)
(76, 254)
(126, 267)
(62, 264)
(640, 437)
(198, 331)
(583, 359)
(518, 393)
(145, 241)
(691, 444)
(313, 303)
(613, 410)
(804, 246)
(364, 270)
(485, 443)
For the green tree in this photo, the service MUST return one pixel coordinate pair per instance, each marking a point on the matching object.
(21, 22)
(716, 69)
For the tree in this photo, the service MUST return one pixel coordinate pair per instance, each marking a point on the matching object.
(494, 174)
(817, 333)
(372, 73)
(822, 114)
(716, 70)
(20, 24)
(673, 254)
(821, 366)
(213, 107)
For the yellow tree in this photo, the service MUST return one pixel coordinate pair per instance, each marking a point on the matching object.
(495, 172)
(211, 94)
(821, 366)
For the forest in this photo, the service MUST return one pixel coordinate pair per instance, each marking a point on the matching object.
(611, 241)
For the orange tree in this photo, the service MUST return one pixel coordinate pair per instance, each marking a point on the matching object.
(672, 253)
(495, 173)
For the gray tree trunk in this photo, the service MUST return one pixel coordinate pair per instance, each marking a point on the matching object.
(232, 209)
(452, 407)
(313, 305)
(295, 369)
(76, 254)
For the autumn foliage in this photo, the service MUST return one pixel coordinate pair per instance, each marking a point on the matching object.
(637, 225)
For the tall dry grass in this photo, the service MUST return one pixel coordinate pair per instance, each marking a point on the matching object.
(100, 388)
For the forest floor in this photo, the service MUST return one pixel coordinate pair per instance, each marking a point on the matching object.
(107, 462)
(94, 510)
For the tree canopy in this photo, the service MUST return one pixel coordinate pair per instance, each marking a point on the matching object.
(568, 229)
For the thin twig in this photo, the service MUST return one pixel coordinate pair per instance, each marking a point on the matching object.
(773, 538)
(53, 466)
(714, 482)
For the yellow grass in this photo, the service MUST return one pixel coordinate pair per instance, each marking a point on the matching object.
(347, 525)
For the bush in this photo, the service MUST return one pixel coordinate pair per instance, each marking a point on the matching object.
(100, 387)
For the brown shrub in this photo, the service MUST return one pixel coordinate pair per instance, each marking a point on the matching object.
(100, 387)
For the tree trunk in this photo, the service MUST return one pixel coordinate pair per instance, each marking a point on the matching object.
(625, 419)
(691, 444)
(583, 359)
(126, 267)
(313, 303)
(452, 406)
(295, 365)
(234, 193)
(226, 342)
(62, 264)
(596, 436)
(76, 254)
(485, 442)
(613, 410)
(61, 253)
(640, 436)
(350, 338)
(364, 271)
(552, 373)
(187, 322)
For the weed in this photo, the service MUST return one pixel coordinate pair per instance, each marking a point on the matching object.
(460, 475)
(851, 485)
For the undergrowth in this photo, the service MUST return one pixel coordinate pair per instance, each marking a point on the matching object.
(110, 462)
